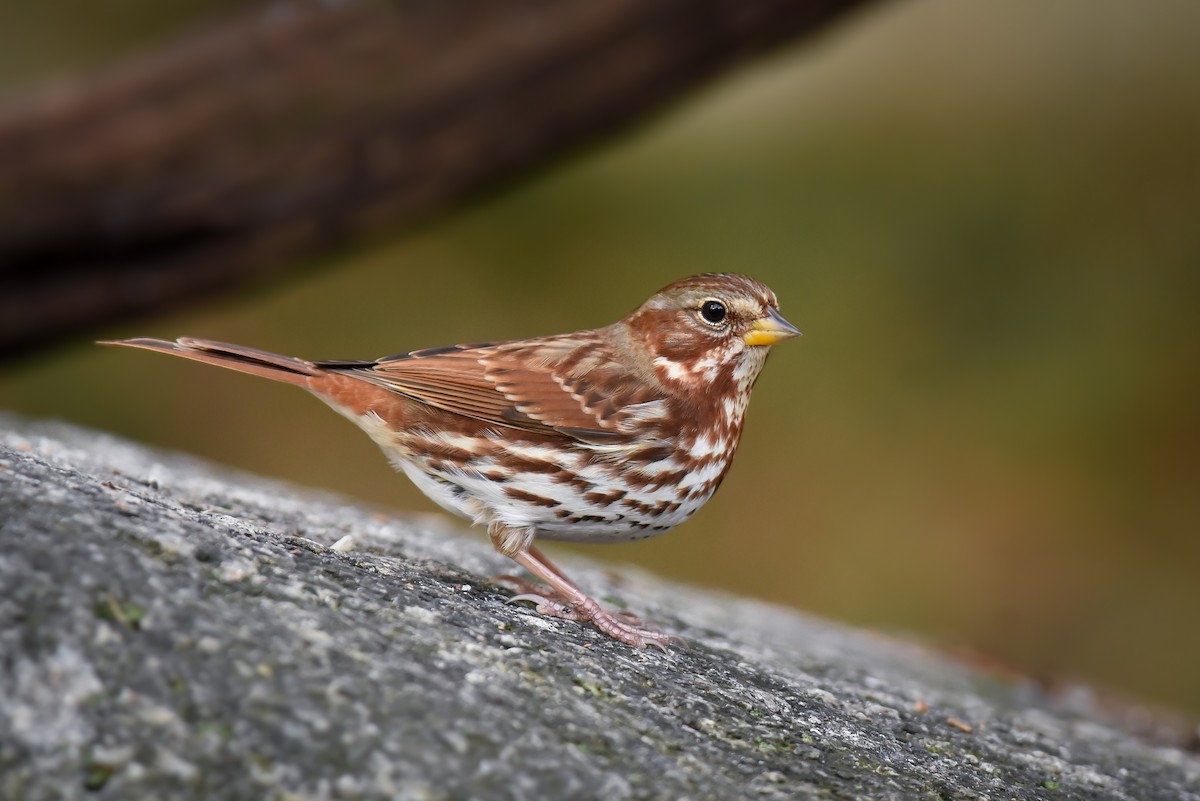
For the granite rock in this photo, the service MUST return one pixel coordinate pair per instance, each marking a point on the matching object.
(174, 629)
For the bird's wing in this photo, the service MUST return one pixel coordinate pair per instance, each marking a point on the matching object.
(571, 385)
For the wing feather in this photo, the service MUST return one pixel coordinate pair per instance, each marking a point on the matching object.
(571, 386)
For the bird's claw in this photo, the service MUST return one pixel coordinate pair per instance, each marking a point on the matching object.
(622, 625)
(547, 606)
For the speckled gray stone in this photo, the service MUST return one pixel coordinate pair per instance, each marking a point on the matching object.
(171, 629)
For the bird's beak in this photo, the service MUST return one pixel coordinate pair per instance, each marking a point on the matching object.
(770, 329)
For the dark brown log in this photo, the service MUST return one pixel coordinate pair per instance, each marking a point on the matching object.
(285, 130)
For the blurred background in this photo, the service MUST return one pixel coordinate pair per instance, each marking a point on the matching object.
(984, 217)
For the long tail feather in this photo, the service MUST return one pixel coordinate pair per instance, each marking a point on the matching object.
(235, 357)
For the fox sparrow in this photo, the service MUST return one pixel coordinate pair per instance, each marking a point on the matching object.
(618, 433)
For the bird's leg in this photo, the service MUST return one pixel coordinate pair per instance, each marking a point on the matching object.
(584, 606)
(568, 599)
(511, 541)
(548, 601)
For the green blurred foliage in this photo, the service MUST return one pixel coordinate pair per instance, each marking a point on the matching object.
(984, 218)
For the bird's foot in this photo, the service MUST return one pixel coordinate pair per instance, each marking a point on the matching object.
(638, 634)
(545, 600)
(624, 626)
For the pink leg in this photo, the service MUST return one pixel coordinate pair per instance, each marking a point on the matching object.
(546, 601)
(550, 603)
(572, 602)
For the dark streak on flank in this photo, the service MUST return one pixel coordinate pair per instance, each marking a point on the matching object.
(570, 478)
(520, 464)
(604, 498)
(529, 497)
(588, 519)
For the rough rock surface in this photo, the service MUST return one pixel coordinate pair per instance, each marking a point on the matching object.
(171, 629)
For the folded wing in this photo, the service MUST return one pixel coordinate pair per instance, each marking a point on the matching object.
(570, 386)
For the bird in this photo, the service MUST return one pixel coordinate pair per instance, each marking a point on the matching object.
(611, 434)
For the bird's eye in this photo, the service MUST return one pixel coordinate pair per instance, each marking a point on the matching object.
(713, 312)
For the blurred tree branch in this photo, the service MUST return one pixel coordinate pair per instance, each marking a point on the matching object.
(281, 131)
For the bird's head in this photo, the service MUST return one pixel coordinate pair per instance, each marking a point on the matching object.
(706, 329)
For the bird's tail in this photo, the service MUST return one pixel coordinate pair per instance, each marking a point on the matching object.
(236, 357)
